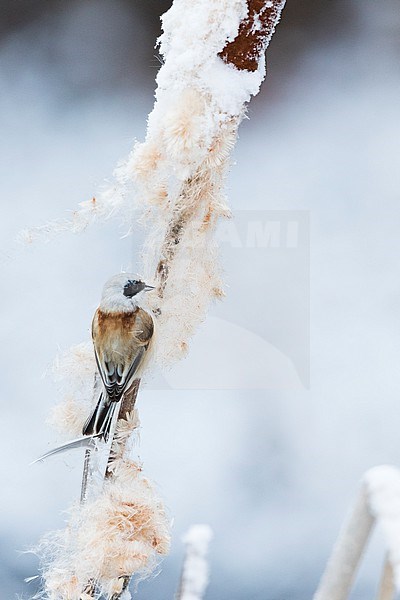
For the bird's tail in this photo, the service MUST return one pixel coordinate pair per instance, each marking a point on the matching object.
(100, 419)
(97, 427)
(88, 441)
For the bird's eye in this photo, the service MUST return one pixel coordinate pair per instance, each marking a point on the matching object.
(133, 287)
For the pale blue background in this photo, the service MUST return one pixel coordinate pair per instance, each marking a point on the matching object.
(272, 471)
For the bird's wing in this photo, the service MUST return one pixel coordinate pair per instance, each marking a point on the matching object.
(115, 379)
(144, 327)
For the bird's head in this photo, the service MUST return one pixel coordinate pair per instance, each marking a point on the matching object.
(123, 290)
(135, 286)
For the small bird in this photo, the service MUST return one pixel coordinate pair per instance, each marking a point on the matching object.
(122, 333)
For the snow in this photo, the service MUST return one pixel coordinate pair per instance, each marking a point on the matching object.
(177, 178)
(192, 38)
(195, 575)
(232, 88)
(378, 501)
(179, 171)
(124, 531)
(383, 485)
(193, 81)
(287, 151)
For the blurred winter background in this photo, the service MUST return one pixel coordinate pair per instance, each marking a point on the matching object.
(272, 470)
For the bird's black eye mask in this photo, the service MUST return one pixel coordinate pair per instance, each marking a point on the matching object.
(133, 287)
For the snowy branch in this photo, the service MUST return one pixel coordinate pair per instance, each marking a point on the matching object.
(342, 565)
(378, 501)
(255, 33)
(387, 589)
(214, 62)
(195, 572)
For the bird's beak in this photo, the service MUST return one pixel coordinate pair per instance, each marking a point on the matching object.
(148, 288)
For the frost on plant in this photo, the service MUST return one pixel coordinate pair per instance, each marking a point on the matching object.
(195, 572)
(173, 183)
(383, 485)
(124, 530)
(74, 374)
(174, 180)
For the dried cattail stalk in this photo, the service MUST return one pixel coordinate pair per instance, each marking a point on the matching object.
(378, 500)
(195, 571)
(121, 532)
(176, 179)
